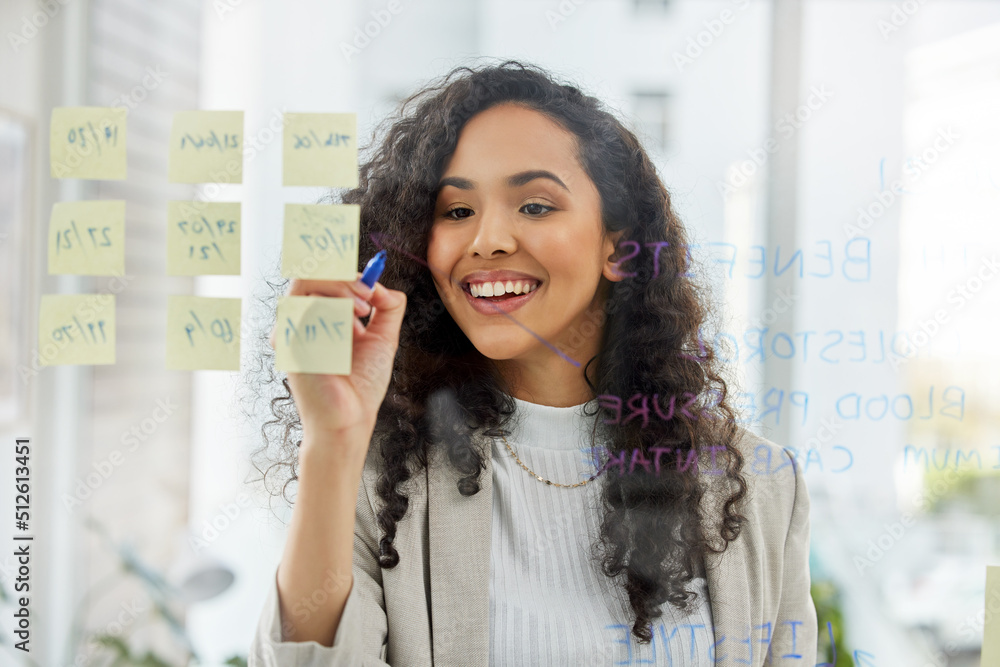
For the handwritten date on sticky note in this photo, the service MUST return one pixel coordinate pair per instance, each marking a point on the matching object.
(314, 334)
(76, 329)
(203, 333)
(206, 147)
(87, 238)
(320, 149)
(87, 142)
(203, 238)
(320, 241)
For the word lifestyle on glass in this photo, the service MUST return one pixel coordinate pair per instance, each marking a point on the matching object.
(838, 457)
(852, 260)
(729, 649)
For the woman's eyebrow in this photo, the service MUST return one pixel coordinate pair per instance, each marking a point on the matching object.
(513, 181)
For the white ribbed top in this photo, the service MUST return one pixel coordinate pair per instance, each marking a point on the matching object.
(549, 602)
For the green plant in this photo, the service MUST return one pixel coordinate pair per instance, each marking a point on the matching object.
(826, 597)
(124, 656)
(163, 597)
(972, 490)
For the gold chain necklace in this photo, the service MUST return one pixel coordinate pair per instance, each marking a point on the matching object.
(542, 479)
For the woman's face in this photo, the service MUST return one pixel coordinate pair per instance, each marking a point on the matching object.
(516, 211)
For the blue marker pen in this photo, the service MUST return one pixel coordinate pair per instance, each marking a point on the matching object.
(373, 269)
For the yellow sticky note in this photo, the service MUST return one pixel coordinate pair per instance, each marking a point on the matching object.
(206, 147)
(87, 142)
(320, 241)
(203, 238)
(203, 333)
(991, 627)
(314, 334)
(320, 149)
(76, 329)
(87, 238)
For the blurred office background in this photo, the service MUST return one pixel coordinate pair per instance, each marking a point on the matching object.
(878, 93)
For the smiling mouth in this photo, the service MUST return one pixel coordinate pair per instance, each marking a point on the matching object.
(500, 290)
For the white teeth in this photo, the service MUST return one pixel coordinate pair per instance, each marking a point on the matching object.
(500, 288)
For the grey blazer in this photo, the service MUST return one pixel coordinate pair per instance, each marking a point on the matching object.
(433, 607)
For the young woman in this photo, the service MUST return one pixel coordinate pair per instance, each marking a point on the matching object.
(533, 461)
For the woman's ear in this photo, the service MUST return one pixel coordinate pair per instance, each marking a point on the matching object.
(611, 250)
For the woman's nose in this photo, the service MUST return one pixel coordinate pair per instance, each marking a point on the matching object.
(494, 234)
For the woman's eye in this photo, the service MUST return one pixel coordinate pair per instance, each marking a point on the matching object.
(537, 206)
(449, 214)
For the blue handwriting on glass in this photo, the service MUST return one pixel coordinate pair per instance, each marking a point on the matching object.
(854, 267)
(310, 332)
(311, 140)
(220, 328)
(87, 335)
(210, 140)
(98, 238)
(88, 136)
(203, 226)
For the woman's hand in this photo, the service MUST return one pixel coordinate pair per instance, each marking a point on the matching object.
(342, 408)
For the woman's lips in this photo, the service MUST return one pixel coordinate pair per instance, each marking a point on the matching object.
(498, 306)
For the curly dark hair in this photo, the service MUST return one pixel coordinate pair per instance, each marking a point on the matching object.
(442, 388)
